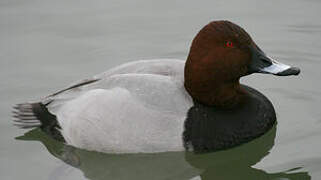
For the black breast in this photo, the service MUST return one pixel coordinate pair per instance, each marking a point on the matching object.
(211, 129)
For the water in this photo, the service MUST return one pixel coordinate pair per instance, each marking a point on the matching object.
(45, 45)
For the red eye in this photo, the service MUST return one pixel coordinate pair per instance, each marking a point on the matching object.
(229, 44)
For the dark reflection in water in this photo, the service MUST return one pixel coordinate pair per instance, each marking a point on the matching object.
(237, 163)
(231, 164)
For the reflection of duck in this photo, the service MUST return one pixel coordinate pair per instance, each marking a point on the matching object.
(101, 166)
(237, 163)
(231, 164)
(142, 106)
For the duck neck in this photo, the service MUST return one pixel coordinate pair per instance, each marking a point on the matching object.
(212, 89)
(225, 95)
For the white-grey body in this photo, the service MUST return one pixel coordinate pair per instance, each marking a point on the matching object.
(136, 107)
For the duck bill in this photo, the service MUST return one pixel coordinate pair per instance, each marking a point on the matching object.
(261, 63)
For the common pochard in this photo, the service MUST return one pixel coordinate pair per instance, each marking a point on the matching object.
(166, 104)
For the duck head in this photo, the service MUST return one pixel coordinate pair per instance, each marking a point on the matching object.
(220, 54)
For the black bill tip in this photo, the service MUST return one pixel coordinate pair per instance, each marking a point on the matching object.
(291, 71)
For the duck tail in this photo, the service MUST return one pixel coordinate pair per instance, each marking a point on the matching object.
(33, 115)
(30, 115)
(25, 117)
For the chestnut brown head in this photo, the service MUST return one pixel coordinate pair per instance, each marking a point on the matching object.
(220, 54)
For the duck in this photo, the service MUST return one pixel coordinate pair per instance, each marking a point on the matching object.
(163, 105)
